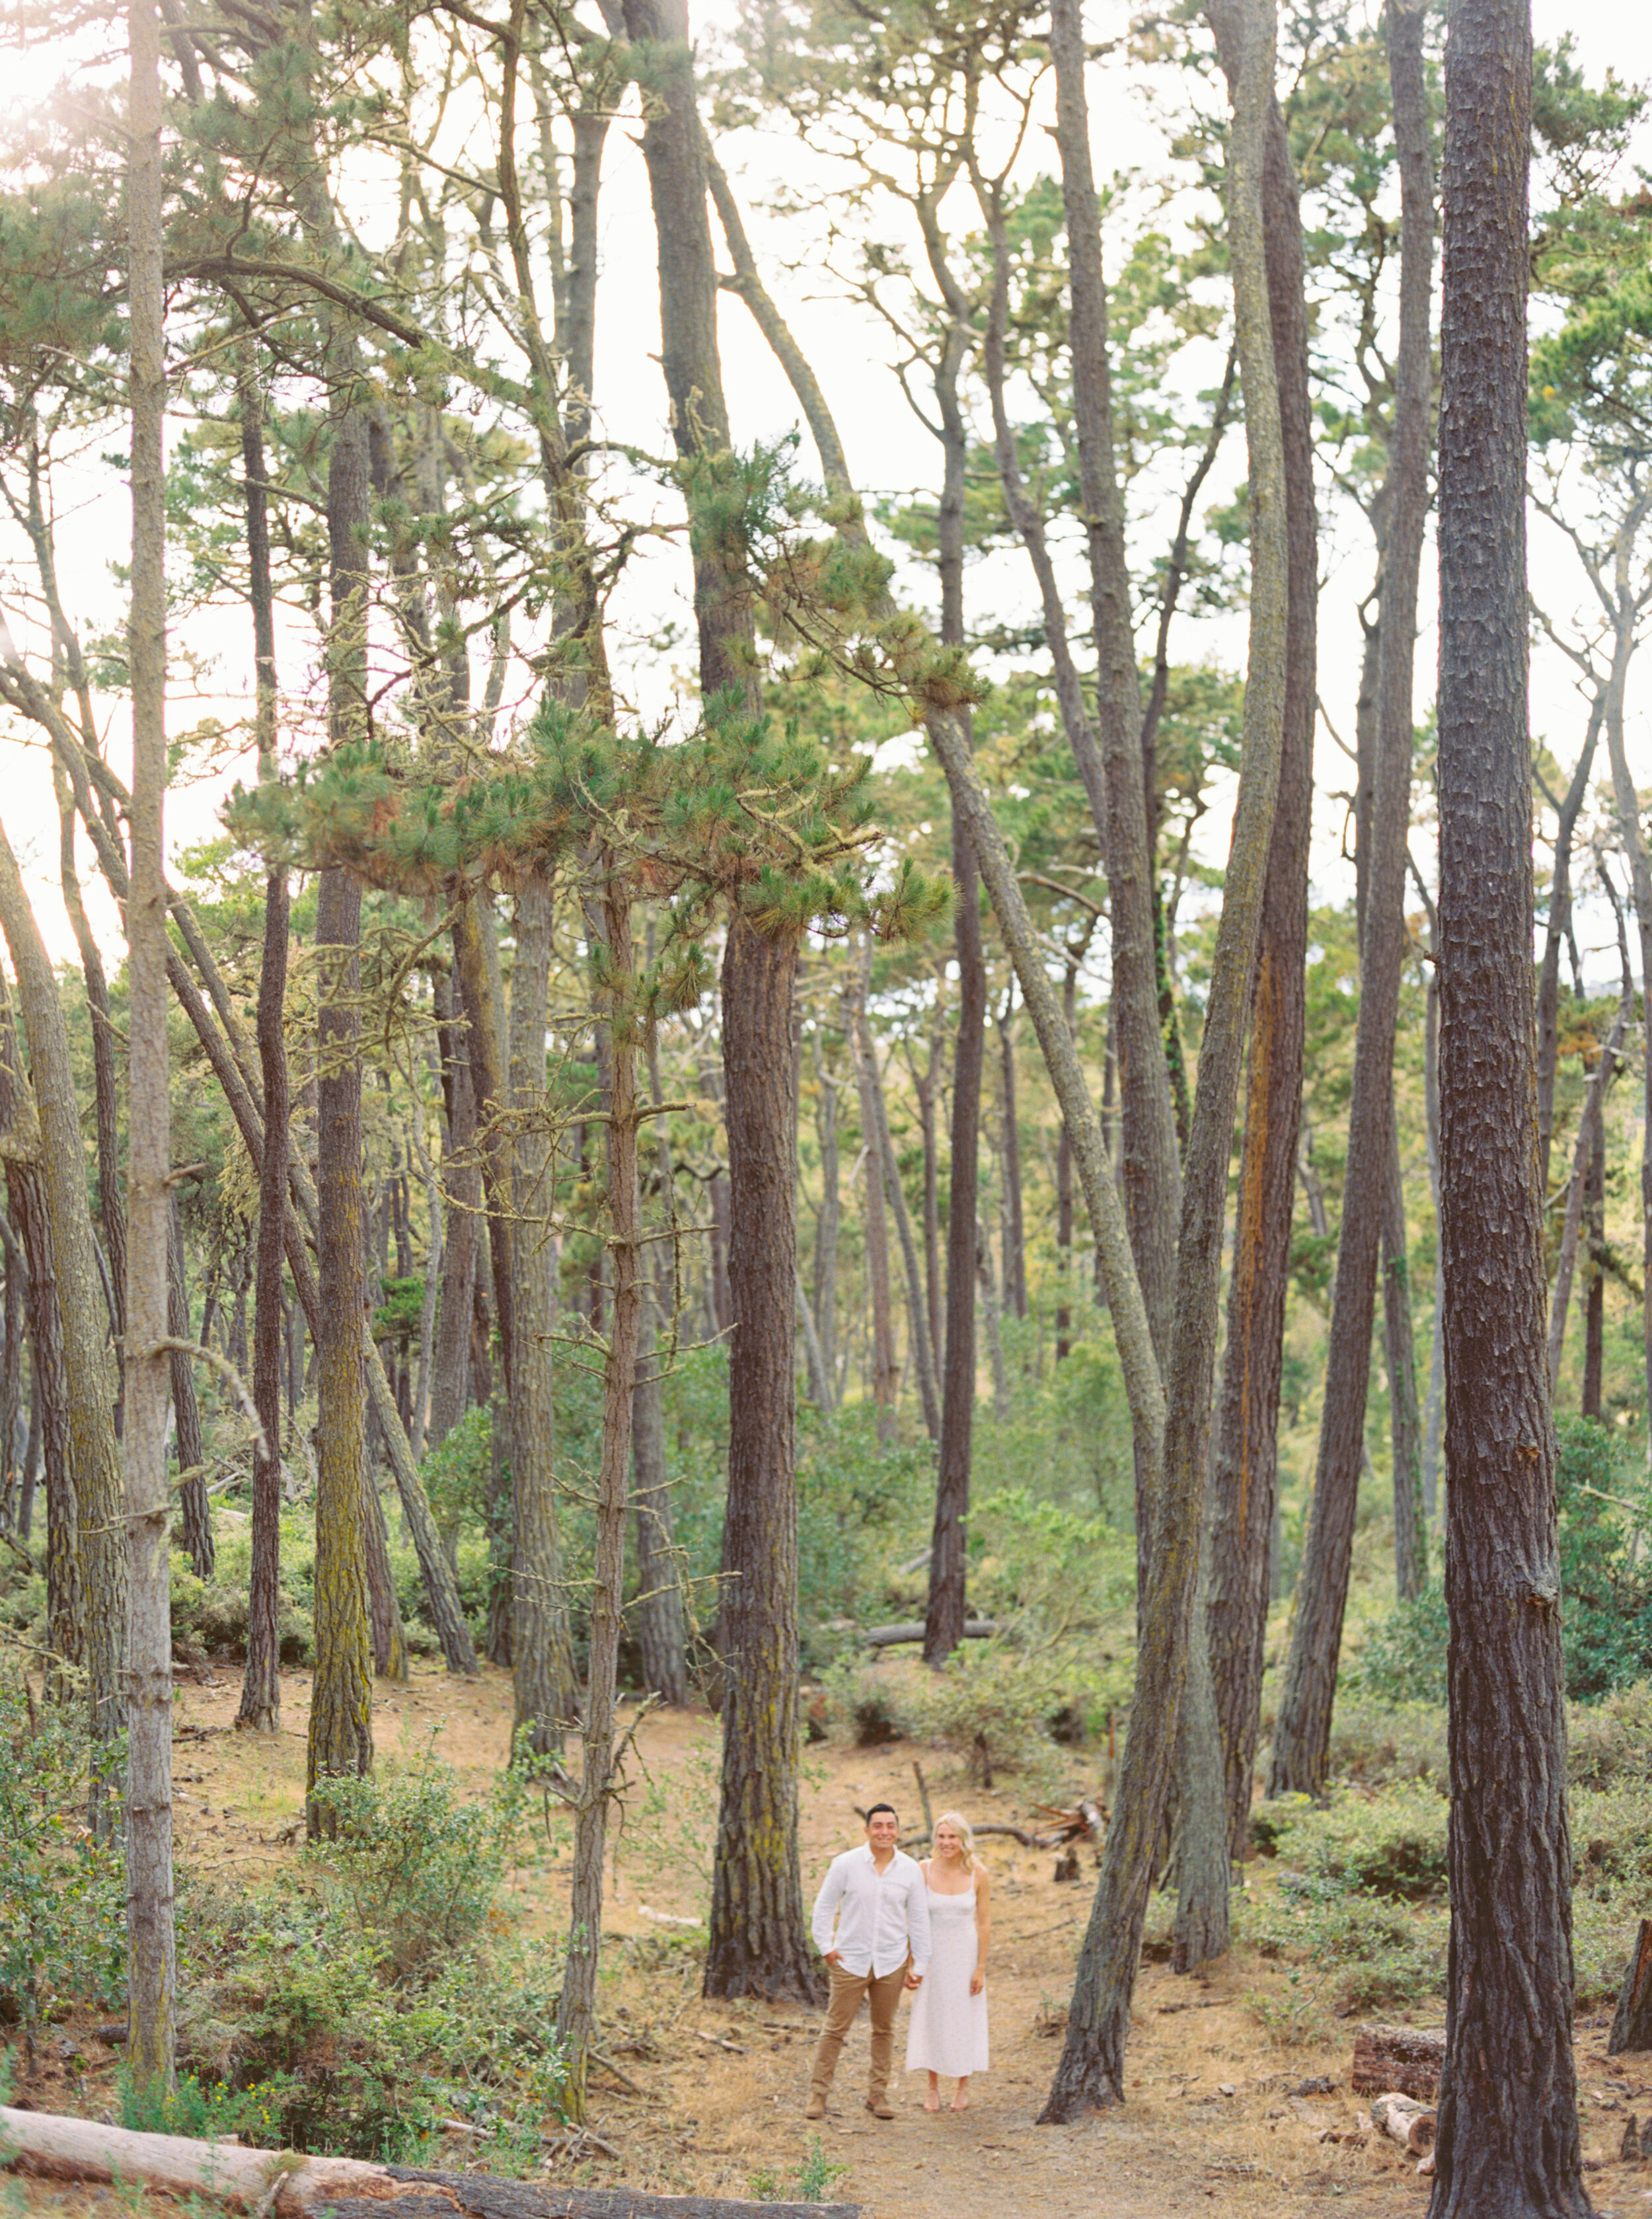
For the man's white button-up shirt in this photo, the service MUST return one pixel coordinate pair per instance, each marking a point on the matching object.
(879, 1915)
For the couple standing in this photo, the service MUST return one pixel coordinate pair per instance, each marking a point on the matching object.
(884, 1923)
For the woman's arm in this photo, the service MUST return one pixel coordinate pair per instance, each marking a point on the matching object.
(983, 1930)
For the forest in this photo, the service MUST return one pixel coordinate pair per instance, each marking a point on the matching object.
(824, 914)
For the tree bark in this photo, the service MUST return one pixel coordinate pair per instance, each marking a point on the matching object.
(1302, 1735)
(461, 1182)
(1627, 808)
(946, 1610)
(151, 1952)
(1557, 926)
(1151, 1172)
(89, 1367)
(545, 1690)
(1245, 1477)
(1090, 2075)
(192, 1487)
(659, 1607)
(883, 1147)
(1508, 2126)
(340, 1744)
(885, 1373)
(577, 2008)
(1405, 1430)
(1015, 1226)
(823, 1273)
(758, 1943)
(49, 1432)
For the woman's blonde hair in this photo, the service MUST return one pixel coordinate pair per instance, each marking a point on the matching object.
(966, 1833)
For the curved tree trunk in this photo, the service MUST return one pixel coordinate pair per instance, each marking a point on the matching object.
(20, 1144)
(1245, 1477)
(1508, 2122)
(88, 1366)
(1090, 2075)
(1303, 1735)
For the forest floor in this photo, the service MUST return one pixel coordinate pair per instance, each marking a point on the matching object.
(1217, 2121)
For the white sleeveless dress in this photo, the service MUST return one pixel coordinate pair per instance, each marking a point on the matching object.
(946, 2031)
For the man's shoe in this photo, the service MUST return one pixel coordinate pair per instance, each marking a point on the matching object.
(816, 2107)
(880, 2107)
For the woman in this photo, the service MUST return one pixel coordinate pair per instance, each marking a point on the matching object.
(947, 2030)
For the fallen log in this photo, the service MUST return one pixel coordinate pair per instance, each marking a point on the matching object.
(1631, 2026)
(276, 2181)
(1403, 2119)
(1405, 2059)
(283, 2184)
(911, 1629)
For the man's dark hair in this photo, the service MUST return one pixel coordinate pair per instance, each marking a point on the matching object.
(876, 1807)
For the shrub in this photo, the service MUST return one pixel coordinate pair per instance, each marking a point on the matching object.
(1403, 1659)
(416, 1869)
(1606, 1597)
(993, 1704)
(62, 1894)
(1391, 1845)
(1375, 1742)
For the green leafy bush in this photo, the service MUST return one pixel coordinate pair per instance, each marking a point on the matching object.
(62, 1894)
(1605, 1583)
(1375, 1742)
(993, 1704)
(1391, 1845)
(416, 1869)
(1403, 1658)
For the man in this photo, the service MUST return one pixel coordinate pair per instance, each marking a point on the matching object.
(876, 1897)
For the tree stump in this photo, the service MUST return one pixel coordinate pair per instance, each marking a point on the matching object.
(1405, 2060)
(1631, 2027)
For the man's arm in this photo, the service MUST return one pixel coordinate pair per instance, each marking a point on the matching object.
(917, 1921)
(826, 1903)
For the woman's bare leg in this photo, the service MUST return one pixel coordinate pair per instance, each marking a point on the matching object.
(960, 2100)
(932, 2101)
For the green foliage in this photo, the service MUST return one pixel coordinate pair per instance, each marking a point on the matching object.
(1403, 1658)
(62, 1894)
(1605, 1592)
(202, 2111)
(415, 1870)
(1392, 1844)
(995, 1706)
(811, 2182)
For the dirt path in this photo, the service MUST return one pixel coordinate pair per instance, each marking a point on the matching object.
(1215, 2121)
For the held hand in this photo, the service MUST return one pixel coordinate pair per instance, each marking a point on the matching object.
(915, 1979)
(978, 1982)
(833, 1955)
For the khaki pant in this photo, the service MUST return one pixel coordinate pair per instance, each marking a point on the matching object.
(883, 1997)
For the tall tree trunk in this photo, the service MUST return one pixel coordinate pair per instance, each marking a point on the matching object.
(1173, 1654)
(546, 1694)
(1015, 1226)
(196, 1507)
(88, 1366)
(1303, 1735)
(883, 1143)
(1434, 1408)
(758, 1943)
(1152, 1174)
(1595, 1232)
(1508, 2124)
(1627, 807)
(944, 1616)
(824, 1270)
(1590, 1142)
(1405, 1427)
(925, 1084)
(1244, 1476)
(992, 1317)
(577, 2008)
(341, 1703)
(111, 1213)
(151, 1954)
(49, 1400)
(1557, 925)
(886, 1372)
(1064, 1189)
(658, 1609)
(461, 1180)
